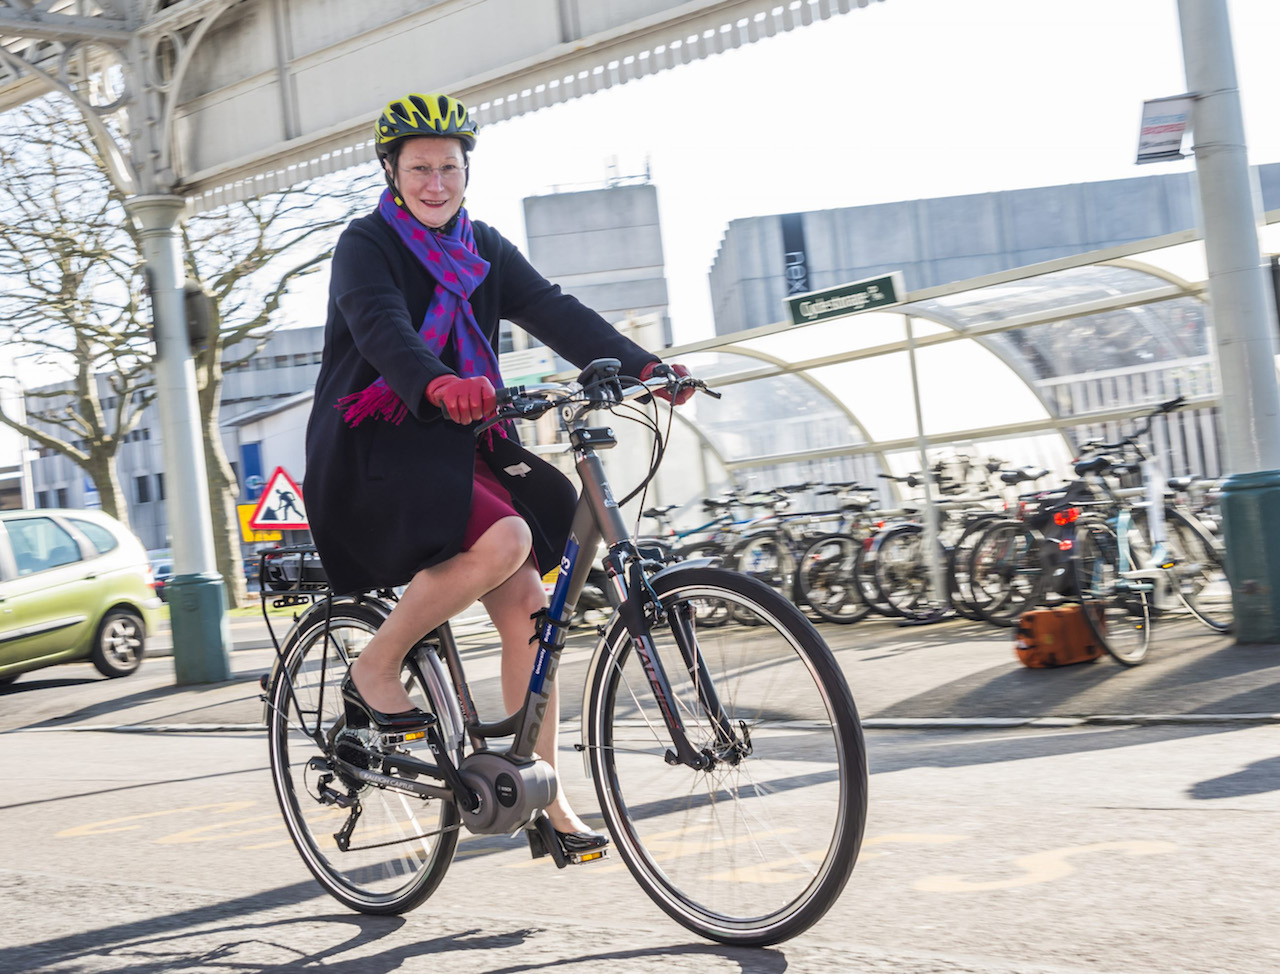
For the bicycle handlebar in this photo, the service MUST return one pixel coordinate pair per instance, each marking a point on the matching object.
(1165, 407)
(600, 384)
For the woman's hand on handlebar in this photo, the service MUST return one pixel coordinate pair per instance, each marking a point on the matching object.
(682, 395)
(464, 401)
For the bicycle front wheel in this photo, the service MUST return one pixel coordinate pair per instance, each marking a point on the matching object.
(376, 850)
(1117, 605)
(755, 847)
(1198, 575)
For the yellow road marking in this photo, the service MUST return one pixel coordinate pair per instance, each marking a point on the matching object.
(110, 825)
(1041, 867)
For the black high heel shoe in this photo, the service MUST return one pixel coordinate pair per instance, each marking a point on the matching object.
(564, 848)
(576, 843)
(360, 714)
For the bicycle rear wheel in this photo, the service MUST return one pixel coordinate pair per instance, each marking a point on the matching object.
(1005, 572)
(903, 574)
(828, 579)
(398, 846)
(757, 847)
(1119, 609)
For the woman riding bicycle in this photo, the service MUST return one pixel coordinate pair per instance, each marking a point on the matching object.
(398, 489)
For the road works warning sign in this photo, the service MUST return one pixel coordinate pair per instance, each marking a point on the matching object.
(280, 508)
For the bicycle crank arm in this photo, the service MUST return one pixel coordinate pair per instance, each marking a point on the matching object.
(379, 780)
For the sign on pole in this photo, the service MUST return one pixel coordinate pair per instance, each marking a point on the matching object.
(527, 365)
(1164, 123)
(846, 299)
(280, 507)
(249, 534)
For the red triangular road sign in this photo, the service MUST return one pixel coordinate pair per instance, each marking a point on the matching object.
(280, 507)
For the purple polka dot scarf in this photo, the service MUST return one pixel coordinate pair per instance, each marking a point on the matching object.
(450, 258)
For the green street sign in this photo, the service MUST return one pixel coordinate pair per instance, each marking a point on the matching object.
(846, 299)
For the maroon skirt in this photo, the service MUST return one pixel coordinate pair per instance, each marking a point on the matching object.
(490, 503)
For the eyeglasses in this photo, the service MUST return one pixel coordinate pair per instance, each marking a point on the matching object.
(422, 174)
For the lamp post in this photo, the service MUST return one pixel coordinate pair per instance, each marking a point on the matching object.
(1243, 318)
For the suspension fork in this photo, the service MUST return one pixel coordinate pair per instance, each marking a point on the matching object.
(626, 572)
(727, 742)
(635, 618)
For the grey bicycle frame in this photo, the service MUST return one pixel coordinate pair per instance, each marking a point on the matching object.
(596, 517)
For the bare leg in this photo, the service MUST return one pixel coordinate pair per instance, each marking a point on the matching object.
(434, 596)
(510, 605)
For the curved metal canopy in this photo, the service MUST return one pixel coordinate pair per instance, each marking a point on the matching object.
(233, 98)
(995, 358)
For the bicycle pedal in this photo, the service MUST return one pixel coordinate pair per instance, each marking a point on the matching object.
(387, 739)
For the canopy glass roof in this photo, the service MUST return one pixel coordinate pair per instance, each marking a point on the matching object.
(1019, 365)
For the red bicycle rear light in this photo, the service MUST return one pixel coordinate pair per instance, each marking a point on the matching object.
(1068, 516)
(1066, 544)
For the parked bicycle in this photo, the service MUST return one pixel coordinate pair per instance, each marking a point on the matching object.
(1132, 565)
(729, 762)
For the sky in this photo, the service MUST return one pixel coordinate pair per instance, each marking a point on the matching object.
(904, 99)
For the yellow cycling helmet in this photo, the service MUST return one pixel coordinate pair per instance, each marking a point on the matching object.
(414, 115)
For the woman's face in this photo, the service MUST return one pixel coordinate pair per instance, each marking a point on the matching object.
(431, 176)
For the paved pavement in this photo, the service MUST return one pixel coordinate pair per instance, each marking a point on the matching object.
(954, 672)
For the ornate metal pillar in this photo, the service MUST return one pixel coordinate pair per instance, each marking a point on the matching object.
(126, 64)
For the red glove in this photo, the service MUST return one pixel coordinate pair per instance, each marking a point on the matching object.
(463, 400)
(683, 396)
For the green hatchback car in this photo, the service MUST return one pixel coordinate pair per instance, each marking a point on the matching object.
(73, 585)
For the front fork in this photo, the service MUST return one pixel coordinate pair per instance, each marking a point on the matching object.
(641, 607)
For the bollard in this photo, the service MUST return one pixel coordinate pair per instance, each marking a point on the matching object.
(201, 631)
(1251, 531)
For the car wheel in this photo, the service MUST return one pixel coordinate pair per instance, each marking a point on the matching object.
(118, 646)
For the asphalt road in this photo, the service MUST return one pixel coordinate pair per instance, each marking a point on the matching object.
(1120, 849)
(1091, 819)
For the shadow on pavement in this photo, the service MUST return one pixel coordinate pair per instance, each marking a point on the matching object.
(220, 936)
(1256, 779)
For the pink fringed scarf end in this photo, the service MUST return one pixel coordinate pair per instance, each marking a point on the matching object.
(376, 401)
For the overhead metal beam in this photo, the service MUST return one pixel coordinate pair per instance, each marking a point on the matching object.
(61, 27)
(310, 74)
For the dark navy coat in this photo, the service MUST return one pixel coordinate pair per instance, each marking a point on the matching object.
(386, 500)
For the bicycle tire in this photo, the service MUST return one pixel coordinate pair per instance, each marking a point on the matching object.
(959, 560)
(372, 876)
(1006, 575)
(828, 581)
(1118, 609)
(791, 812)
(1199, 576)
(902, 573)
(767, 557)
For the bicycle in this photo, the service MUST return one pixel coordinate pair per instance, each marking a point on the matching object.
(1129, 566)
(719, 756)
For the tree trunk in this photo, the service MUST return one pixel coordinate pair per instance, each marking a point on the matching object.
(224, 517)
(101, 468)
(223, 488)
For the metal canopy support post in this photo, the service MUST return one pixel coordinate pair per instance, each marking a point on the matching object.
(1242, 317)
(197, 597)
(933, 549)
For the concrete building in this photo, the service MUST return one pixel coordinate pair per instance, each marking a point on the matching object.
(763, 260)
(604, 246)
